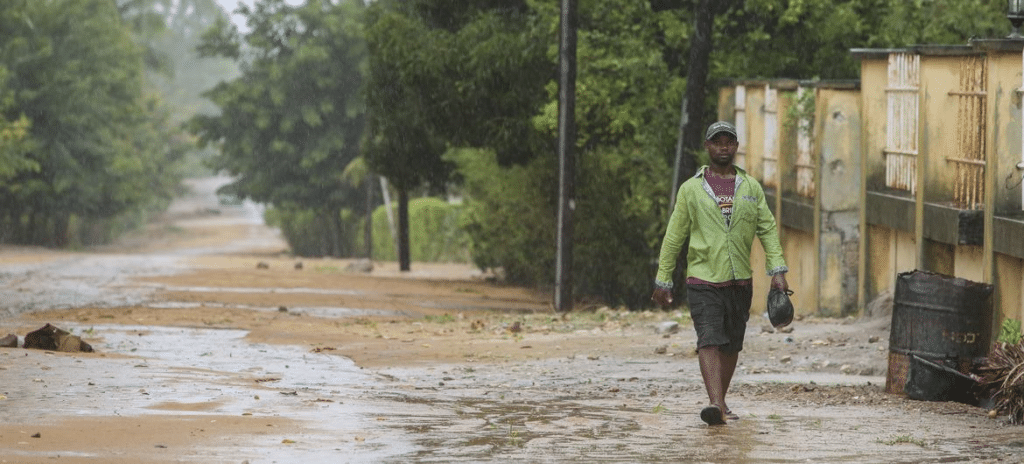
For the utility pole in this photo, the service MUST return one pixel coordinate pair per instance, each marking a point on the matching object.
(566, 154)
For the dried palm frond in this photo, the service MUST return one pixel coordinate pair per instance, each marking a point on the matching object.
(1003, 376)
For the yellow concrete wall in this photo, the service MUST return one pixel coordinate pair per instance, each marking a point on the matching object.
(874, 79)
(837, 145)
(968, 263)
(798, 248)
(939, 257)
(761, 280)
(878, 245)
(904, 253)
(755, 131)
(939, 76)
(726, 103)
(787, 144)
(831, 274)
(1009, 300)
(1005, 77)
(890, 252)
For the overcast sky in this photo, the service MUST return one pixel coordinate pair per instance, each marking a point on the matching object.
(230, 5)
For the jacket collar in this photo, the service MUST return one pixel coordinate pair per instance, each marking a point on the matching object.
(702, 169)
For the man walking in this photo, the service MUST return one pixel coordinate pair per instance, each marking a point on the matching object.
(719, 210)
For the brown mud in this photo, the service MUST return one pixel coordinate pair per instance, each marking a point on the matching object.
(213, 346)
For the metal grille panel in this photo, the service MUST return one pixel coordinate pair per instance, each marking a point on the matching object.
(969, 159)
(901, 123)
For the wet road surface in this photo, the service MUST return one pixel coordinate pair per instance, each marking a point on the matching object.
(290, 404)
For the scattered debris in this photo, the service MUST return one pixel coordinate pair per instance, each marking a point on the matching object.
(298, 266)
(362, 265)
(1003, 377)
(56, 339)
(10, 341)
(668, 327)
(262, 265)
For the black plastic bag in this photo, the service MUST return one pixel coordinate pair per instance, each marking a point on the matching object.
(780, 309)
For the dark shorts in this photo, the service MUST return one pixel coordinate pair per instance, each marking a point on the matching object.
(720, 315)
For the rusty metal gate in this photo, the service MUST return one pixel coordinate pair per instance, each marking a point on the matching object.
(901, 121)
(804, 158)
(771, 137)
(969, 157)
(741, 125)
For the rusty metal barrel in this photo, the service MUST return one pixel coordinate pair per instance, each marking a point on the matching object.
(943, 319)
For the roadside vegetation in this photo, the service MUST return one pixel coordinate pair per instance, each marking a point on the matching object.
(90, 111)
(450, 108)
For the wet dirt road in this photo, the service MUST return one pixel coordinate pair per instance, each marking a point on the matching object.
(204, 356)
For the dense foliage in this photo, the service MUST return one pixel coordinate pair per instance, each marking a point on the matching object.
(292, 122)
(86, 151)
(439, 96)
(435, 232)
(632, 57)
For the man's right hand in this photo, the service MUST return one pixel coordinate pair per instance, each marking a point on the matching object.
(662, 297)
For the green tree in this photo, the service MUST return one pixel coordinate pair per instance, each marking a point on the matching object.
(74, 72)
(451, 73)
(292, 122)
(626, 111)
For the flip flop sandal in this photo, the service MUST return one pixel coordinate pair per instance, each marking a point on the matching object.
(712, 415)
(729, 415)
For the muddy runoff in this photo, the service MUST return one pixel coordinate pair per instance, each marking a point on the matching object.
(213, 345)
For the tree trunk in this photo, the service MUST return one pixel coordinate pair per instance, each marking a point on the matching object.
(403, 229)
(337, 233)
(61, 230)
(696, 92)
(692, 121)
(368, 226)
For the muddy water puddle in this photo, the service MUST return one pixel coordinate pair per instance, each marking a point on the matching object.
(147, 370)
(615, 411)
(574, 409)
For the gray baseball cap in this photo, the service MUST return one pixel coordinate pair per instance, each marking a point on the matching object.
(718, 127)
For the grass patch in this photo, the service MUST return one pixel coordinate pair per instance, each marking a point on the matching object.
(904, 439)
(442, 319)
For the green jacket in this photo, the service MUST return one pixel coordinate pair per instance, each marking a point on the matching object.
(717, 252)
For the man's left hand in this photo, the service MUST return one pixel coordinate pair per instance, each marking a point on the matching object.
(779, 282)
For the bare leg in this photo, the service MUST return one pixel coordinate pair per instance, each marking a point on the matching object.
(717, 368)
